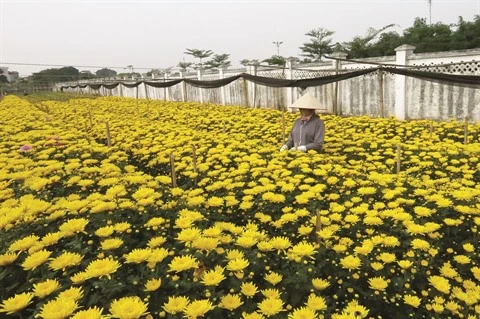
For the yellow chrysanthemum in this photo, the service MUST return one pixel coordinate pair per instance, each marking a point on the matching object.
(280, 243)
(156, 242)
(205, 243)
(65, 260)
(253, 315)
(249, 289)
(412, 300)
(51, 239)
(270, 306)
(105, 231)
(111, 243)
(188, 235)
(213, 277)
(303, 249)
(58, 309)
(74, 293)
(73, 226)
(198, 308)
(273, 278)
(90, 313)
(24, 243)
(316, 303)
(320, 284)
(128, 308)
(237, 264)
(271, 293)
(157, 256)
(176, 305)
(17, 302)
(350, 262)
(153, 284)
(440, 283)
(79, 277)
(102, 267)
(45, 288)
(303, 313)
(404, 264)
(138, 255)
(354, 309)
(36, 259)
(235, 254)
(182, 263)
(8, 258)
(230, 302)
(378, 283)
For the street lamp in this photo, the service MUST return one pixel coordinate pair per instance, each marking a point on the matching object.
(131, 70)
(277, 43)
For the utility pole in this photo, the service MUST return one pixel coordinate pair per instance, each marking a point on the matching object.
(430, 10)
(277, 43)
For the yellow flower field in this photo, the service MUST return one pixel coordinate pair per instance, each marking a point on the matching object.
(92, 231)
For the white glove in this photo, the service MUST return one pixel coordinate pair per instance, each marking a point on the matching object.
(302, 148)
(284, 148)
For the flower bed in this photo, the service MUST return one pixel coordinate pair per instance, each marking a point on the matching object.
(89, 230)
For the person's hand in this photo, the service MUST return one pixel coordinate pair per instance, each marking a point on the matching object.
(284, 148)
(302, 148)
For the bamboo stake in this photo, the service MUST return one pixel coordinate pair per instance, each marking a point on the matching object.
(139, 141)
(109, 137)
(90, 118)
(245, 92)
(431, 129)
(465, 136)
(398, 158)
(172, 166)
(194, 158)
(318, 226)
(283, 125)
(380, 93)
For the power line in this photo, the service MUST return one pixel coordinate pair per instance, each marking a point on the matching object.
(78, 66)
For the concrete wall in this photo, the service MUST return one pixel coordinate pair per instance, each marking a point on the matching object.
(403, 97)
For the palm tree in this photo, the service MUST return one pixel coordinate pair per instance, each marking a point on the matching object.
(184, 65)
(200, 54)
(218, 60)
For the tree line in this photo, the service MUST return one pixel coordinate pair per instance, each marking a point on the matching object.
(424, 36)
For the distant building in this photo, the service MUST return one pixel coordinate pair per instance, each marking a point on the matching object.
(5, 72)
(12, 76)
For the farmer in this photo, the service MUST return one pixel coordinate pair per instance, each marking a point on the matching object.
(308, 131)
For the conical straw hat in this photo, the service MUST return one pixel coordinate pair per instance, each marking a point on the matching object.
(307, 101)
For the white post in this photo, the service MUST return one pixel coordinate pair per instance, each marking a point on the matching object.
(153, 88)
(337, 66)
(199, 76)
(167, 90)
(402, 54)
(252, 69)
(222, 88)
(290, 76)
(145, 87)
(184, 88)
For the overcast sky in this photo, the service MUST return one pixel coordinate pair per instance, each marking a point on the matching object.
(155, 34)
